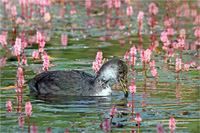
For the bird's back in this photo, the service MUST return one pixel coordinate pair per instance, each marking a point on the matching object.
(62, 83)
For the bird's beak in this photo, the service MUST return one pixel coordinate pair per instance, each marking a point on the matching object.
(123, 83)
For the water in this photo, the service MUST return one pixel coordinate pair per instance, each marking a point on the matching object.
(165, 96)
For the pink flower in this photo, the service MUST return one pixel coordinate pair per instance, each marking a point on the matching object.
(46, 62)
(198, 68)
(197, 20)
(186, 66)
(19, 20)
(3, 40)
(21, 121)
(88, 4)
(172, 123)
(148, 55)
(122, 42)
(42, 43)
(3, 61)
(143, 103)
(192, 63)
(153, 9)
(117, 3)
(4, 1)
(171, 52)
(122, 25)
(34, 128)
(9, 106)
(35, 54)
(133, 50)
(178, 64)
(42, 9)
(170, 31)
(129, 10)
(17, 90)
(18, 46)
(24, 59)
(113, 111)
(133, 60)
(41, 50)
(154, 72)
(152, 63)
(140, 16)
(109, 3)
(48, 130)
(143, 55)
(160, 129)
(102, 38)
(28, 109)
(181, 42)
(129, 104)
(126, 56)
(138, 118)
(73, 11)
(47, 17)
(179, 11)
(13, 12)
(152, 22)
(132, 88)
(197, 32)
(64, 39)
(193, 13)
(106, 125)
(175, 45)
(38, 37)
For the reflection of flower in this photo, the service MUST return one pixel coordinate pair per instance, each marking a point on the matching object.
(3, 61)
(160, 129)
(106, 125)
(113, 111)
(9, 106)
(47, 17)
(34, 128)
(172, 123)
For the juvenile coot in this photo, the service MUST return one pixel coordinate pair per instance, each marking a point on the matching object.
(77, 83)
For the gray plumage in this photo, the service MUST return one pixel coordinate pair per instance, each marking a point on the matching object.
(77, 83)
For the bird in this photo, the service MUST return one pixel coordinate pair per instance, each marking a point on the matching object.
(79, 83)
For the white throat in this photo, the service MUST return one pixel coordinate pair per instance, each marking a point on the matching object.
(105, 92)
(109, 74)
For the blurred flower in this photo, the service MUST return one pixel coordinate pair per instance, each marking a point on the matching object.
(132, 88)
(172, 123)
(192, 63)
(129, 104)
(126, 56)
(9, 106)
(133, 50)
(64, 39)
(138, 118)
(34, 128)
(73, 10)
(129, 10)
(47, 17)
(153, 9)
(28, 109)
(35, 54)
(178, 64)
(117, 3)
(106, 126)
(18, 46)
(113, 111)
(88, 4)
(160, 129)
(48, 130)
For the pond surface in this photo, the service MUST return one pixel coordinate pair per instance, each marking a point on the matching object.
(165, 96)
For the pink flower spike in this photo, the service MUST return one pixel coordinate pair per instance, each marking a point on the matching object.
(64, 39)
(17, 90)
(170, 31)
(24, 59)
(46, 62)
(129, 10)
(140, 16)
(192, 63)
(186, 66)
(160, 129)
(152, 63)
(113, 111)
(88, 4)
(133, 50)
(106, 125)
(143, 103)
(28, 109)
(172, 123)
(73, 11)
(138, 118)
(117, 3)
(38, 37)
(9, 106)
(47, 17)
(35, 54)
(48, 130)
(122, 42)
(197, 32)
(153, 9)
(132, 88)
(126, 56)
(42, 43)
(34, 128)
(154, 72)
(129, 104)
(18, 46)
(178, 64)
(116, 86)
